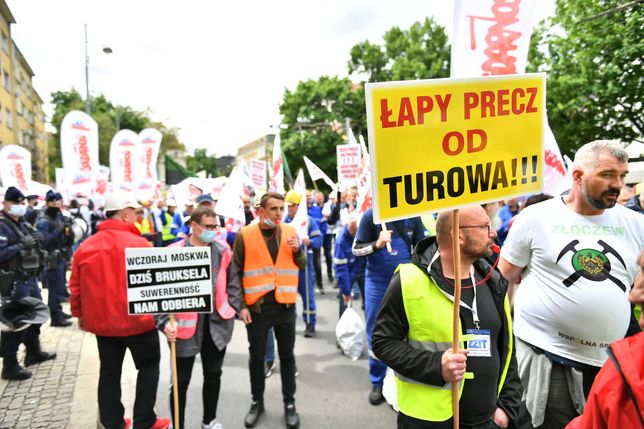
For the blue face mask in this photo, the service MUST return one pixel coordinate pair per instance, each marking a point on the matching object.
(207, 236)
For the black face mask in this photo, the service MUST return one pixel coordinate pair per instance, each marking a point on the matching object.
(52, 212)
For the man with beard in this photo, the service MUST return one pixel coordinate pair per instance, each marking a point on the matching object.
(413, 332)
(576, 258)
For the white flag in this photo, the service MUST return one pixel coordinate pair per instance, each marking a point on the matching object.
(145, 166)
(316, 173)
(123, 152)
(230, 204)
(276, 177)
(491, 40)
(364, 180)
(301, 220)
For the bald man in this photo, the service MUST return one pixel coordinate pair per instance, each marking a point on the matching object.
(413, 332)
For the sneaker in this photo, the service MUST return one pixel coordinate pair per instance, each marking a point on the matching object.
(212, 425)
(375, 396)
(62, 323)
(127, 423)
(291, 417)
(35, 358)
(256, 410)
(161, 424)
(269, 367)
(321, 291)
(309, 332)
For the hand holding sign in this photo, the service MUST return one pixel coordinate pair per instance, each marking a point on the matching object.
(384, 239)
(293, 243)
(170, 331)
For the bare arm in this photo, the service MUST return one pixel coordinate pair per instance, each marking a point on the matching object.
(510, 271)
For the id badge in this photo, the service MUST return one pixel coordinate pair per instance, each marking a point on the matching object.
(479, 346)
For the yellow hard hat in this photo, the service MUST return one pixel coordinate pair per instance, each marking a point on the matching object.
(292, 197)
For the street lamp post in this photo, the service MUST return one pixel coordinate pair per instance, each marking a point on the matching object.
(106, 50)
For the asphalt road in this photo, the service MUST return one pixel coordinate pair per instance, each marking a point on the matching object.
(331, 388)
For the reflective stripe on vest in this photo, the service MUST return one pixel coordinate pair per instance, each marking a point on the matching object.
(186, 324)
(260, 274)
(429, 313)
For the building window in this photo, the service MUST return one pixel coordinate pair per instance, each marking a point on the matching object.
(9, 118)
(19, 107)
(7, 81)
(5, 43)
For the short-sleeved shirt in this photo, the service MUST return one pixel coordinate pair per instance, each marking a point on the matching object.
(573, 296)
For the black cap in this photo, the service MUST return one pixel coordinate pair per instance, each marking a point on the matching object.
(13, 194)
(52, 196)
(31, 197)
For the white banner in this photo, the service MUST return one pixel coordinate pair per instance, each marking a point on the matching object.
(15, 167)
(79, 152)
(123, 152)
(102, 185)
(349, 162)
(37, 188)
(492, 37)
(169, 280)
(316, 173)
(145, 167)
(276, 178)
(258, 173)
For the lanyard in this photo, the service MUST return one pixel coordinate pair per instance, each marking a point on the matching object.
(474, 307)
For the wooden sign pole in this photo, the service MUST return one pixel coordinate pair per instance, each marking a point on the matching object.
(175, 384)
(456, 314)
(384, 228)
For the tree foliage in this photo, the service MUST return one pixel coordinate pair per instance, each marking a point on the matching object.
(201, 161)
(107, 116)
(594, 64)
(421, 52)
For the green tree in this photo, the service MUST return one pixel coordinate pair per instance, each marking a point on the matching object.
(201, 161)
(592, 52)
(422, 52)
(314, 115)
(108, 117)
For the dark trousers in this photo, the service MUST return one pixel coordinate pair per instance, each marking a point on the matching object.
(146, 355)
(282, 319)
(212, 360)
(54, 282)
(10, 341)
(328, 254)
(317, 264)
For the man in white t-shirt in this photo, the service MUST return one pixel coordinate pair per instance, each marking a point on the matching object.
(576, 258)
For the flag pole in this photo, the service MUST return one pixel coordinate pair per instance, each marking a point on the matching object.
(456, 309)
(175, 384)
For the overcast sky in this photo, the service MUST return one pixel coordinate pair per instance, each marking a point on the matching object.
(216, 70)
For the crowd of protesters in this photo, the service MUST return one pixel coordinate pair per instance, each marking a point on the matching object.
(544, 304)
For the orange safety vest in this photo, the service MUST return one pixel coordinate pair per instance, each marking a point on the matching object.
(261, 275)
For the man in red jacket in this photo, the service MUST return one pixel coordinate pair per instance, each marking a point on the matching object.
(617, 397)
(99, 300)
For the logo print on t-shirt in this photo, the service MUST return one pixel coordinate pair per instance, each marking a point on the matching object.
(591, 264)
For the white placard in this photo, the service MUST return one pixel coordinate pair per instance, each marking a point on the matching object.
(169, 280)
(349, 162)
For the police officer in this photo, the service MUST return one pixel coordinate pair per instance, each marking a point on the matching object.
(21, 259)
(57, 234)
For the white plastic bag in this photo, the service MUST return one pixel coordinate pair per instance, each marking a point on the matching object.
(350, 334)
(389, 389)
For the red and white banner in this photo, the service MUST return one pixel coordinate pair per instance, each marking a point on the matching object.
(349, 162)
(123, 153)
(316, 173)
(492, 37)
(102, 185)
(258, 173)
(147, 178)
(276, 178)
(79, 152)
(15, 167)
(364, 180)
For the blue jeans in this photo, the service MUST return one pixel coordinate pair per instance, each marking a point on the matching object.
(55, 284)
(374, 292)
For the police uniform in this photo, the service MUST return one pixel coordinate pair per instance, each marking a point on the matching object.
(21, 259)
(52, 226)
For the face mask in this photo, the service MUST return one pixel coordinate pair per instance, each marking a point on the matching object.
(52, 211)
(207, 236)
(269, 223)
(17, 210)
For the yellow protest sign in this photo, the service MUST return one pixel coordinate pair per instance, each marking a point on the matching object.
(446, 143)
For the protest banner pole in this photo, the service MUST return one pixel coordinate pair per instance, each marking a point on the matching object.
(175, 386)
(456, 314)
(384, 228)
